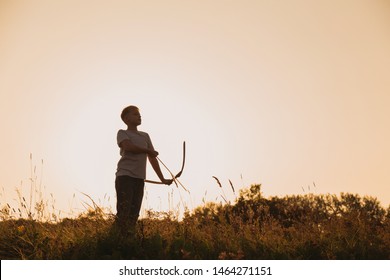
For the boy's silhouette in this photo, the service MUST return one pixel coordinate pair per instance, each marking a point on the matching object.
(135, 147)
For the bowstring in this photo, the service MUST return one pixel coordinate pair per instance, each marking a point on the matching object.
(175, 180)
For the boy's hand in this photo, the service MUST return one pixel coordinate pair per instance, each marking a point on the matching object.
(167, 182)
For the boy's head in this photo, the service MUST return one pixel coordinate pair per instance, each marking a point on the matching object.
(131, 115)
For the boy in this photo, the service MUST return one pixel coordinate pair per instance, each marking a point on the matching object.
(135, 147)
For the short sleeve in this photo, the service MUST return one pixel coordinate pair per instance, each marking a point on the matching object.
(121, 136)
(150, 145)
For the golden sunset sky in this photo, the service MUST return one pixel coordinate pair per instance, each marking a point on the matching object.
(282, 93)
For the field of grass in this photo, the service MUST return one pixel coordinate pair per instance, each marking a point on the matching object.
(292, 227)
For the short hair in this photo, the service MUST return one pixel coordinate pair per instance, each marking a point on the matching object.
(126, 110)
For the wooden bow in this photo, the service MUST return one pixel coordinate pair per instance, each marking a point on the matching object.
(174, 177)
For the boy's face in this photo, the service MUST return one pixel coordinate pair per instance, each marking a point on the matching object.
(133, 117)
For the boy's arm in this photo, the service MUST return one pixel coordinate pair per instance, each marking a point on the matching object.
(156, 167)
(128, 146)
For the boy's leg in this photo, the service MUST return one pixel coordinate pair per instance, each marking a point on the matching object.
(130, 193)
(138, 194)
(124, 194)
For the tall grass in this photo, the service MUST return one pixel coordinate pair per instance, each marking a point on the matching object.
(35, 205)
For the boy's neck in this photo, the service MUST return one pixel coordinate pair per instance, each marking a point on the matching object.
(131, 127)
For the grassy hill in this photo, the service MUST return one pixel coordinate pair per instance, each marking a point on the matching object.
(291, 227)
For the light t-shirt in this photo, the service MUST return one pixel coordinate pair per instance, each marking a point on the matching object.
(132, 164)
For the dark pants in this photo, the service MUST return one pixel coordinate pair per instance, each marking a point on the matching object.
(129, 194)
